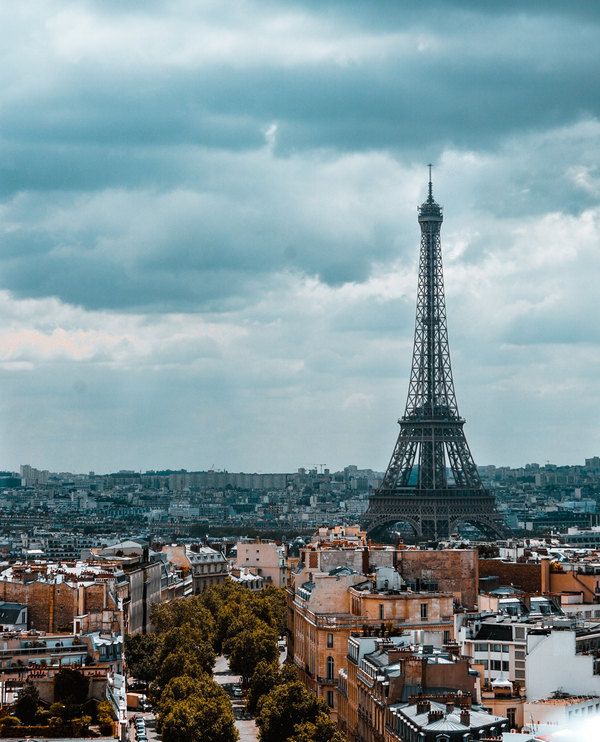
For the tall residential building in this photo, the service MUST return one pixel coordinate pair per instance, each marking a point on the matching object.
(325, 608)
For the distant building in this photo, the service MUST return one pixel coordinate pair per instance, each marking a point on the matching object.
(31, 476)
(207, 566)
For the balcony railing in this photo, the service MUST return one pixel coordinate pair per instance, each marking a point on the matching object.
(33, 651)
(327, 681)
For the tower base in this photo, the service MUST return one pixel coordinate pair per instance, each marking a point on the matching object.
(434, 515)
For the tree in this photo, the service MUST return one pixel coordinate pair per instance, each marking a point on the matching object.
(184, 612)
(248, 647)
(105, 717)
(285, 707)
(192, 641)
(174, 665)
(270, 606)
(8, 723)
(185, 688)
(26, 705)
(141, 653)
(265, 677)
(200, 719)
(322, 730)
(71, 687)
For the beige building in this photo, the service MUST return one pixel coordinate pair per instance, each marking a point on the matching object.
(453, 571)
(383, 672)
(264, 558)
(325, 608)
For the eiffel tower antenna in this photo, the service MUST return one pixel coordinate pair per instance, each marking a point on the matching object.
(432, 482)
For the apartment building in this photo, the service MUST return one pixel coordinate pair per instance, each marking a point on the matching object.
(326, 608)
(56, 593)
(264, 558)
(388, 671)
(563, 660)
(453, 571)
(564, 716)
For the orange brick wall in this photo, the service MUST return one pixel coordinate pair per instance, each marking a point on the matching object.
(527, 577)
(455, 570)
(52, 607)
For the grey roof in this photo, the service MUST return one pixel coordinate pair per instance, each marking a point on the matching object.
(450, 721)
(506, 590)
(494, 631)
(9, 612)
(342, 571)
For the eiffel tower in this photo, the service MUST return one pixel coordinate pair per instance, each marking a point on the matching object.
(431, 482)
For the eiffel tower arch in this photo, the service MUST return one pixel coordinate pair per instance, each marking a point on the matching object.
(431, 482)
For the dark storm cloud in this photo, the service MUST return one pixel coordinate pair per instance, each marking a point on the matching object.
(470, 77)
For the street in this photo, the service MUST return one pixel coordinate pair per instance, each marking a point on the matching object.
(222, 675)
(148, 717)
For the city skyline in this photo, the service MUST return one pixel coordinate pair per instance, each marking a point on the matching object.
(210, 249)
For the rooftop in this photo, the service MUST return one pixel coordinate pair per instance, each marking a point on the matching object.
(450, 719)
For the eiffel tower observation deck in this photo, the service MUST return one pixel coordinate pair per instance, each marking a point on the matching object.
(431, 482)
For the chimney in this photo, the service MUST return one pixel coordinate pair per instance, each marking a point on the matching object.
(423, 706)
(465, 718)
(435, 716)
(365, 560)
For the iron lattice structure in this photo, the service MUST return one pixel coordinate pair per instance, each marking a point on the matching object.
(431, 481)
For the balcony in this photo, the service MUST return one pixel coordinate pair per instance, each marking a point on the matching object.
(327, 681)
(338, 620)
(25, 652)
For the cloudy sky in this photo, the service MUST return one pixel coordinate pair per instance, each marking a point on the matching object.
(209, 236)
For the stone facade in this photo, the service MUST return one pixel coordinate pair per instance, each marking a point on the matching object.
(264, 558)
(324, 609)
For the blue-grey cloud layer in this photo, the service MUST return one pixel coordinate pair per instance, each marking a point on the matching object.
(216, 159)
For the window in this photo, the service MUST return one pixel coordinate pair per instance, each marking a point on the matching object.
(424, 608)
(511, 715)
(495, 648)
(479, 647)
(519, 632)
(505, 666)
(381, 615)
(330, 668)
(495, 665)
(330, 698)
(446, 636)
(330, 640)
